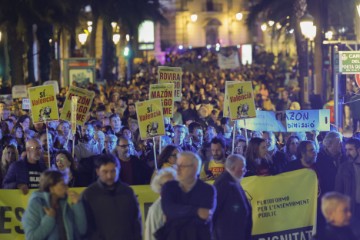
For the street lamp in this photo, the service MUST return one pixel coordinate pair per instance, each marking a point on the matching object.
(309, 31)
(116, 38)
(82, 38)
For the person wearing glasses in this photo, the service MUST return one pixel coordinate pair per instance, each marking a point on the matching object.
(25, 174)
(133, 170)
(187, 203)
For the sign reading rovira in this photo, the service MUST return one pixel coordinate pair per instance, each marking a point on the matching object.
(165, 92)
(150, 118)
(83, 104)
(241, 100)
(171, 75)
(349, 62)
(43, 104)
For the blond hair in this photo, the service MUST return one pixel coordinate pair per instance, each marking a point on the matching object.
(330, 201)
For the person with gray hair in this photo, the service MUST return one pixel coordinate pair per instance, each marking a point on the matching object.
(232, 218)
(188, 203)
(155, 217)
(328, 160)
(110, 144)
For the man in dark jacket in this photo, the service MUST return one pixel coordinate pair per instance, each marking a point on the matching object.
(111, 206)
(25, 174)
(188, 203)
(232, 218)
(348, 176)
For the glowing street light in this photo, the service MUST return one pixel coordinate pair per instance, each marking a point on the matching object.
(82, 38)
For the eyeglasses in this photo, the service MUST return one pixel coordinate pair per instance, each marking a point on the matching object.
(184, 166)
(35, 148)
(124, 146)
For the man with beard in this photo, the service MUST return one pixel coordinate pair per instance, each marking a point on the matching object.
(306, 157)
(87, 147)
(348, 176)
(48, 147)
(111, 206)
(213, 168)
(133, 170)
(197, 135)
(25, 174)
(278, 158)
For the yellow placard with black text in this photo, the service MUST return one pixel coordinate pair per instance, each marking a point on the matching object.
(164, 91)
(241, 100)
(171, 75)
(83, 104)
(43, 104)
(150, 118)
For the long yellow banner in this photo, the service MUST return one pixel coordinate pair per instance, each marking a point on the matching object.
(283, 206)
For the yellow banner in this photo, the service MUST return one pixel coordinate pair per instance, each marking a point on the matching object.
(241, 100)
(83, 105)
(164, 91)
(43, 104)
(284, 206)
(171, 75)
(150, 118)
(13, 204)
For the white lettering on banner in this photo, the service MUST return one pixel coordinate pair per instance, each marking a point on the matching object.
(304, 235)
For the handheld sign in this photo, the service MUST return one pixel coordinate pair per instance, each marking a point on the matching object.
(83, 105)
(171, 75)
(241, 100)
(74, 102)
(165, 92)
(43, 104)
(226, 111)
(25, 104)
(19, 91)
(150, 118)
(54, 83)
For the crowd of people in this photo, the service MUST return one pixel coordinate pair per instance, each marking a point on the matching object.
(198, 146)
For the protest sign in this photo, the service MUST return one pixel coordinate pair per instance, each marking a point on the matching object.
(43, 104)
(171, 75)
(226, 110)
(264, 121)
(83, 105)
(54, 83)
(150, 118)
(241, 100)
(164, 91)
(286, 211)
(305, 120)
(25, 104)
(228, 62)
(19, 91)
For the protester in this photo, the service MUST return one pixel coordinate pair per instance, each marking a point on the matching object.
(25, 174)
(9, 156)
(155, 217)
(189, 202)
(111, 207)
(48, 214)
(64, 163)
(88, 146)
(167, 157)
(336, 210)
(233, 215)
(256, 161)
(213, 168)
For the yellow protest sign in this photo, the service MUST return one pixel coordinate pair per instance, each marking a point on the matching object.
(171, 75)
(83, 104)
(226, 110)
(43, 104)
(164, 91)
(241, 100)
(150, 118)
(281, 212)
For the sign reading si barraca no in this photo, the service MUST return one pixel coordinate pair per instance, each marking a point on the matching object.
(241, 100)
(165, 92)
(150, 118)
(83, 104)
(43, 104)
(171, 75)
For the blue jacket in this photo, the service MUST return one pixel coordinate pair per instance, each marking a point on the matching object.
(40, 226)
(18, 173)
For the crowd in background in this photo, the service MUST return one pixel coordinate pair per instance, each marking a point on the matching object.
(198, 126)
